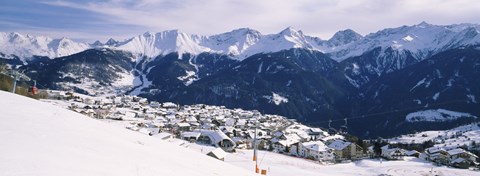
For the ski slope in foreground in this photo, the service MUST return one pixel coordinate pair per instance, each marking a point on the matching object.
(41, 139)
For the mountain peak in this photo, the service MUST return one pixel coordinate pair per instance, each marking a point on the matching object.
(148, 34)
(97, 43)
(423, 24)
(290, 31)
(246, 31)
(344, 37)
(111, 42)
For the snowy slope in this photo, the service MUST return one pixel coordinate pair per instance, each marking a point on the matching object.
(162, 43)
(26, 46)
(436, 115)
(447, 139)
(41, 139)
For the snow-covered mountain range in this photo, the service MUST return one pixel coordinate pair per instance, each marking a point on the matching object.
(26, 46)
(422, 40)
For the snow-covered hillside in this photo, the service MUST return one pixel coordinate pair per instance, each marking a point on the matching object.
(41, 139)
(26, 46)
(436, 115)
(447, 139)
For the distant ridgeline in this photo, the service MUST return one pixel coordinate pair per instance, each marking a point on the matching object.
(374, 81)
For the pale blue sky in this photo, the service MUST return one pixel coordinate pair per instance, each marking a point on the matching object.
(89, 20)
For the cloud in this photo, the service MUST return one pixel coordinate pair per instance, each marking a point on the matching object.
(319, 18)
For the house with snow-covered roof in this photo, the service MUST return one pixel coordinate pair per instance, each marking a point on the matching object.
(316, 150)
(183, 126)
(190, 136)
(283, 143)
(346, 150)
(413, 153)
(437, 155)
(460, 163)
(457, 153)
(154, 104)
(216, 138)
(392, 153)
(169, 105)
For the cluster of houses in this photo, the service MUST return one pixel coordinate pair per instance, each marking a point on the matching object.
(218, 126)
(455, 157)
(316, 144)
(231, 129)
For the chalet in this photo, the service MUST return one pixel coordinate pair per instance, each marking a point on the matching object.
(316, 150)
(154, 104)
(413, 153)
(169, 105)
(282, 146)
(294, 149)
(183, 126)
(392, 153)
(460, 153)
(240, 123)
(460, 163)
(437, 155)
(346, 150)
(317, 132)
(216, 138)
(190, 136)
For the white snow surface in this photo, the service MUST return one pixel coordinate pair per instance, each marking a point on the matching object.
(283, 165)
(276, 99)
(447, 139)
(436, 115)
(41, 139)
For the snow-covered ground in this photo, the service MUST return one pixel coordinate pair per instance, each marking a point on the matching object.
(456, 137)
(283, 165)
(276, 99)
(436, 115)
(42, 139)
